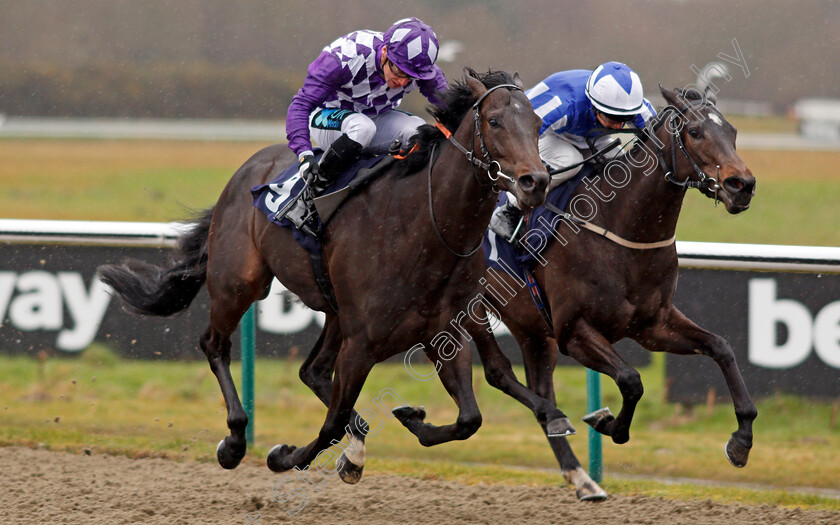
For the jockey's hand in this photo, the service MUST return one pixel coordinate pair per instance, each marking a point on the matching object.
(308, 166)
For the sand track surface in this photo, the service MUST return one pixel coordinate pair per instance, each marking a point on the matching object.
(41, 486)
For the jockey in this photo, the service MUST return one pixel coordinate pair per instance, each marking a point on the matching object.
(573, 105)
(349, 98)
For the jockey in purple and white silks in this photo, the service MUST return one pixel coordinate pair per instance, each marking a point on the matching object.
(349, 98)
(573, 105)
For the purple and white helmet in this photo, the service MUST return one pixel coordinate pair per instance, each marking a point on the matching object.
(412, 47)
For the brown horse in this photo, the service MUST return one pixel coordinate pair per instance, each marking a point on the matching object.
(401, 257)
(600, 291)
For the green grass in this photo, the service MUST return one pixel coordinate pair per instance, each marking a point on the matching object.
(795, 203)
(175, 410)
(147, 180)
(118, 180)
(769, 124)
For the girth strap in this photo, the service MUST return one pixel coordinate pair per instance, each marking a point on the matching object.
(323, 279)
(537, 295)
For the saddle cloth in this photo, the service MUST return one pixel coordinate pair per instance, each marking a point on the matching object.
(272, 197)
(499, 252)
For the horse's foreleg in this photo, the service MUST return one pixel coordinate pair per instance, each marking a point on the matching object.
(316, 373)
(539, 356)
(499, 374)
(456, 376)
(588, 347)
(352, 367)
(680, 335)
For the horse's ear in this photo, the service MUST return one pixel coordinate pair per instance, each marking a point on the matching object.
(517, 80)
(710, 96)
(670, 96)
(475, 85)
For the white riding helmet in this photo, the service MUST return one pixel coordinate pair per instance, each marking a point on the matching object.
(615, 89)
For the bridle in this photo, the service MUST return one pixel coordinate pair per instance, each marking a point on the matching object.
(470, 154)
(704, 182)
(486, 167)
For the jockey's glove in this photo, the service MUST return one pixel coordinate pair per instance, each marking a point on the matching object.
(308, 166)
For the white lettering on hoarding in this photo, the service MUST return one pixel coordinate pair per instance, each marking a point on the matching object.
(87, 308)
(766, 311)
(283, 313)
(40, 301)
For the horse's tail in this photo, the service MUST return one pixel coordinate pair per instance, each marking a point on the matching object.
(149, 289)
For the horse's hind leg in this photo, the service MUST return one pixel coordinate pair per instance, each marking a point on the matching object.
(456, 376)
(316, 373)
(539, 356)
(679, 335)
(234, 281)
(499, 373)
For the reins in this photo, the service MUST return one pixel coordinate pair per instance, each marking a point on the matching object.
(475, 161)
(434, 221)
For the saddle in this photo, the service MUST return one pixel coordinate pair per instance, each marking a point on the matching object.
(288, 189)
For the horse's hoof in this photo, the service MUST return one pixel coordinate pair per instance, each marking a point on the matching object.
(405, 414)
(278, 458)
(585, 487)
(229, 455)
(560, 427)
(591, 494)
(737, 452)
(601, 420)
(348, 471)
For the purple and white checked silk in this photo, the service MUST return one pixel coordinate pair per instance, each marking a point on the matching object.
(347, 75)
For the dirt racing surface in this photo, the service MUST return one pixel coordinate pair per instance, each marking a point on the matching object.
(39, 486)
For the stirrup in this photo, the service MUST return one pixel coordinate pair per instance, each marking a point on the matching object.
(301, 213)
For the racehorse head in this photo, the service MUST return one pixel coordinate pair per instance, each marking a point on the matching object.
(505, 132)
(707, 143)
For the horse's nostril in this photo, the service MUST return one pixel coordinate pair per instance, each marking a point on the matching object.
(526, 182)
(738, 184)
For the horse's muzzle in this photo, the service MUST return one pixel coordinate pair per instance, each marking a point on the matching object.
(532, 187)
(738, 192)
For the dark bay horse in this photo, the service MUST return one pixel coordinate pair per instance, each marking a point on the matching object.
(600, 291)
(401, 257)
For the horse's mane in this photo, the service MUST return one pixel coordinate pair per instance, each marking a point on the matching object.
(454, 104)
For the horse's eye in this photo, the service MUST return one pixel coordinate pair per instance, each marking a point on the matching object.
(493, 123)
(695, 133)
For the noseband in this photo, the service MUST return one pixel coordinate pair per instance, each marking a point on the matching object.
(470, 154)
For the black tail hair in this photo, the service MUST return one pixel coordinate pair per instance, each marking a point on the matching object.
(148, 289)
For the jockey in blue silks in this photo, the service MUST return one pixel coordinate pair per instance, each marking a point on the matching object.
(349, 98)
(572, 104)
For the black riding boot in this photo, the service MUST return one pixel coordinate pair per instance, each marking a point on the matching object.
(338, 157)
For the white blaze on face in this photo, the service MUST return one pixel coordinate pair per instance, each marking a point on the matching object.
(716, 119)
